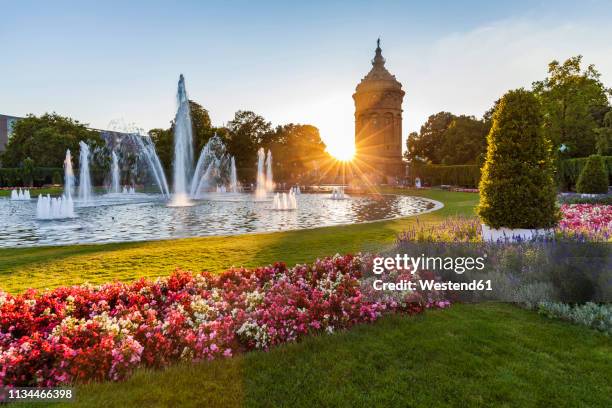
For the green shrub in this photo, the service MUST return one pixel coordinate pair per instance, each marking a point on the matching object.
(598, 317)
(10, 177)
(27, 172)
(463, 175)
(517, 188)
(57, 178)
(593, 177)
(13, 177)
(569, 170)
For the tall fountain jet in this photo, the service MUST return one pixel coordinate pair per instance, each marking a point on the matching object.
(233, 176)
(183, 148)
(269, 179)
(48, 208)
(68, 175)
(147, 148)
(260, 190)
(84, 176)
(114, 187)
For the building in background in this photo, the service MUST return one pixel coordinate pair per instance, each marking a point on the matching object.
(6, 128)
(378, 124)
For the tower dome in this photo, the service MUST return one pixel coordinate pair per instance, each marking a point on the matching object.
(378, 77)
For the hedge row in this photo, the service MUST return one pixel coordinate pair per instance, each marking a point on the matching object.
(466, 175)
(17, 177)
(569, 171)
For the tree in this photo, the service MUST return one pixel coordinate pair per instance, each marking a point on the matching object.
(164, 146)
(297, 151)
(424, 146)
(604, 136)
(45, 139)
(574, 102)
(201, 126)
(448, 139)
(517, 189)
(465, 141)
(593, 178)
(245, 134)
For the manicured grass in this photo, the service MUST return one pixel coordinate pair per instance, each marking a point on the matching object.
(49, 267)
(470, 355)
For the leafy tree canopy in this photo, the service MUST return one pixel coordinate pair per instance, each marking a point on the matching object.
(297, 151)
(246, 132)
(449, 139)
(574, 103)
(45, 139)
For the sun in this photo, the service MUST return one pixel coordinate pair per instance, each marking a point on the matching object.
(342, 153)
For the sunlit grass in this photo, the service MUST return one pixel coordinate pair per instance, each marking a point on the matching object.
(467, 356)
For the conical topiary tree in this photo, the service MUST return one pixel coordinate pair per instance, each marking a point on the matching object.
(517, 188)
(593, 178)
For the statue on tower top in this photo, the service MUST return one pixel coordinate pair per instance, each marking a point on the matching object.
(378, 58)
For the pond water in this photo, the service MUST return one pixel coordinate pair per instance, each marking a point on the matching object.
(139, 217)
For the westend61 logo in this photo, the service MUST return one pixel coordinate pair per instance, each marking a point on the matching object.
(430, 263)
(412, 265)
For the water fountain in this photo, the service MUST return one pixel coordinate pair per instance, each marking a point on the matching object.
(269, 180)
(20, 195)
(147, 148)
(84, 176)
(183, 148)
(284, 201)
(338, 193)
(215, 170)
(68, 175)
(265, 182)
(233, 176)
(205, 181)
(260, 189)
(49, 208)
(128, 190)
(115, 178)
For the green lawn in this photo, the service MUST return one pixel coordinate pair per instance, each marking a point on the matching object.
(48, 267)
(470, 355)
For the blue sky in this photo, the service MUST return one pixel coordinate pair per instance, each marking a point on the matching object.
(288, 61)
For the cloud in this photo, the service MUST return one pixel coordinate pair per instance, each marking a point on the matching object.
(466, 72)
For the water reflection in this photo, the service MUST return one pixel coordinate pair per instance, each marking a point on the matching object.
(148, 218)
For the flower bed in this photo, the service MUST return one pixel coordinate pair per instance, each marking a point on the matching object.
(85, 333)
(579, 222)
(592, 221)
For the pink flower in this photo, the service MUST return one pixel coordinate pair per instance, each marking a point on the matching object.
(85, 333)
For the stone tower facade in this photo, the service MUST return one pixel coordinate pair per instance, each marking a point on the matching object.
(378, 123)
